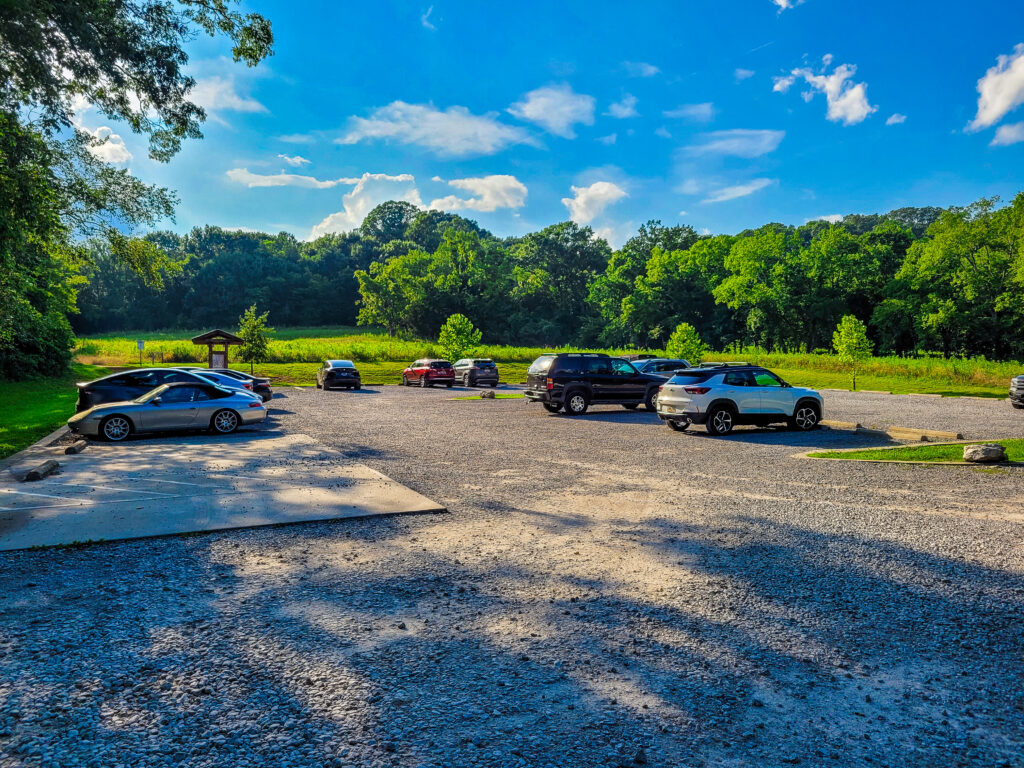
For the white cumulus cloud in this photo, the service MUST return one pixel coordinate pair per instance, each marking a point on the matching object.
(608, 140)
(847, 100)
(587, 203)
(743, 74)
(556, 108)
(1001, 90)
(219, 94)
(626, 107)
(245, 176)
(896, 119)
(640, 69)
(785, 5)
(370, 190)
(697, 113)
(1012, 133)
(488, 194)
(737, 142)
(739, 190)
(294, 161)
(108, 146)
(453, 132)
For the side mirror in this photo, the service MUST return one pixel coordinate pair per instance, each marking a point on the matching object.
(156, 401)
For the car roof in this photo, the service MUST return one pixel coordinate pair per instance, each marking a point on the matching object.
(575, 354)
(725, 368)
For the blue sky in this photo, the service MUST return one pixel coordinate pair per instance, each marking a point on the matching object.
(721, 114)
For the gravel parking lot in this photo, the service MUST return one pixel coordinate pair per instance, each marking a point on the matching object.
(603, 591)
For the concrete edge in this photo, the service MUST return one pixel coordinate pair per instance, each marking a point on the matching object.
(896, 433)
(44, 442)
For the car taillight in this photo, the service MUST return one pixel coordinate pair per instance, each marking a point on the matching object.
(697, 390)
(255, 404)
(247, 385)
(551, 383)
(660, 388)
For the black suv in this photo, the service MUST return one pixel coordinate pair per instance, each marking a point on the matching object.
(472, 371)
(577, 380)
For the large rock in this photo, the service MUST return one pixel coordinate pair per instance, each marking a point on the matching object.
(984, 454)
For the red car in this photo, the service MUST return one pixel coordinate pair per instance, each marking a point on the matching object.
(427, 373)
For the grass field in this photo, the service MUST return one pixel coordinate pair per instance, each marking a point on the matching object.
(295, 353)
(1014, 452)
(32, 409)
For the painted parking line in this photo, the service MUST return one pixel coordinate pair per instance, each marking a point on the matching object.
(177, 482)
(112, 488)
(28, 493)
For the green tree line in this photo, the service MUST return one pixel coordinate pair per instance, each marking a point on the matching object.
(920, 279)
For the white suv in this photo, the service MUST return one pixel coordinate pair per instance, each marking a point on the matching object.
(722, 396)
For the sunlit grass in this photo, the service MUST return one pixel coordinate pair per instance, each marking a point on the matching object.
(1014, 452)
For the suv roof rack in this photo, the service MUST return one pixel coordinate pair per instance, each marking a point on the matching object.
(576, 354)
(727, 365)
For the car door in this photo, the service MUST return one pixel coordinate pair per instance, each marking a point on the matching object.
(599, 376)
(776, 398)
(627, 382)
(176, 409)
(739, 387)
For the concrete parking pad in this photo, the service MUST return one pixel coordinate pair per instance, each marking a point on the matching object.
(192, 484)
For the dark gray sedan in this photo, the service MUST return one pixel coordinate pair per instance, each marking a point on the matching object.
(168, 408)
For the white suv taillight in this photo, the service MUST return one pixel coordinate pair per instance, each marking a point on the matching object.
(697, 390)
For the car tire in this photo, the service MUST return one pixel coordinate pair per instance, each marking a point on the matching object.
(423, 382)
(651, 401)
(496, 384)
(677, 426)
(450, 384)
(465, 380)
(720, 421)
(358, 386)
(318, 383)
(115, 428)
(405, 380)
(1018, 406)
(224, 422)
(805, 418)
(552, 407)
(576, 403)
(631, 406)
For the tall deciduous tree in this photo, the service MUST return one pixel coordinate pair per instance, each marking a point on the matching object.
(851, 344)
(253, 330)
(458, 337)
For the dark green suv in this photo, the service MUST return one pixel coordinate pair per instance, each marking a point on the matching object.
(577, 380)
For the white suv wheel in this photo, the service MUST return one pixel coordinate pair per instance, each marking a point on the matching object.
(805, 417)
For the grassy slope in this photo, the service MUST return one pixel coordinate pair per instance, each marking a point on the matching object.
(33, 409)
(1014, 451)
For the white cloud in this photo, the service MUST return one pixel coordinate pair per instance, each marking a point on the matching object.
(1006, 135)
(488, 194)
(832, 218)
(640, 69)
(786, 4)
(454, 132)
(662, 131)
(689, 187)
(697, 113)
(218, 94)
(624, 108)
(740, 190)
(847, 101)
(108, 146)
(425, 18)
(608, 140)
(294, 161)
(1001, 90)
(244, 176)
(743, 74)
(556, 108)
(589, 202)
(370, 190)
(896, 119)
(738, 142)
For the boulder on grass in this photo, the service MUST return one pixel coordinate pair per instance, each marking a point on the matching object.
(984, 454)
(486, 395)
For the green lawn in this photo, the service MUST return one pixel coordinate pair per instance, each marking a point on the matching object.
(33, 409)
(1014, 452)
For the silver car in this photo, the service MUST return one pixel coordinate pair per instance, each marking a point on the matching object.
(171, 407)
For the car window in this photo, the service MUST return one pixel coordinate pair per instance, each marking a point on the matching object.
(541, 365)
(201, 394)
(118, 381)
(739, 379)
(765, 379)
(174, 376)
(178, 395)
(599, 365)
(673, 365)
(622, 368)
(686, 378)
(145, 379)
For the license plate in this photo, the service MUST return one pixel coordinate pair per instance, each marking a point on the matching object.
(668, 409)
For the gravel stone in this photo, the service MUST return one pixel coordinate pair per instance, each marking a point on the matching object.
(603, 591)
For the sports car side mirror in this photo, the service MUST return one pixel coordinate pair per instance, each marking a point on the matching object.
(156, 401)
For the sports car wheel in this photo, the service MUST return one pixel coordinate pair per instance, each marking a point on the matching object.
(224, 422)
(115, 428)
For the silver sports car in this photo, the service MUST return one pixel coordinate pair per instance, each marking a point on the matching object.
(171, 407)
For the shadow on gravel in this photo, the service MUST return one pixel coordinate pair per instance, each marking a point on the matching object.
(741, 643)
(346, 392)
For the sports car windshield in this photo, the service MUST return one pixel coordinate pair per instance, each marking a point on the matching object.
(151, 394)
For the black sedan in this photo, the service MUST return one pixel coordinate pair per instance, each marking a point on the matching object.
(338, 373)
(260, 385)
(128, 385)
